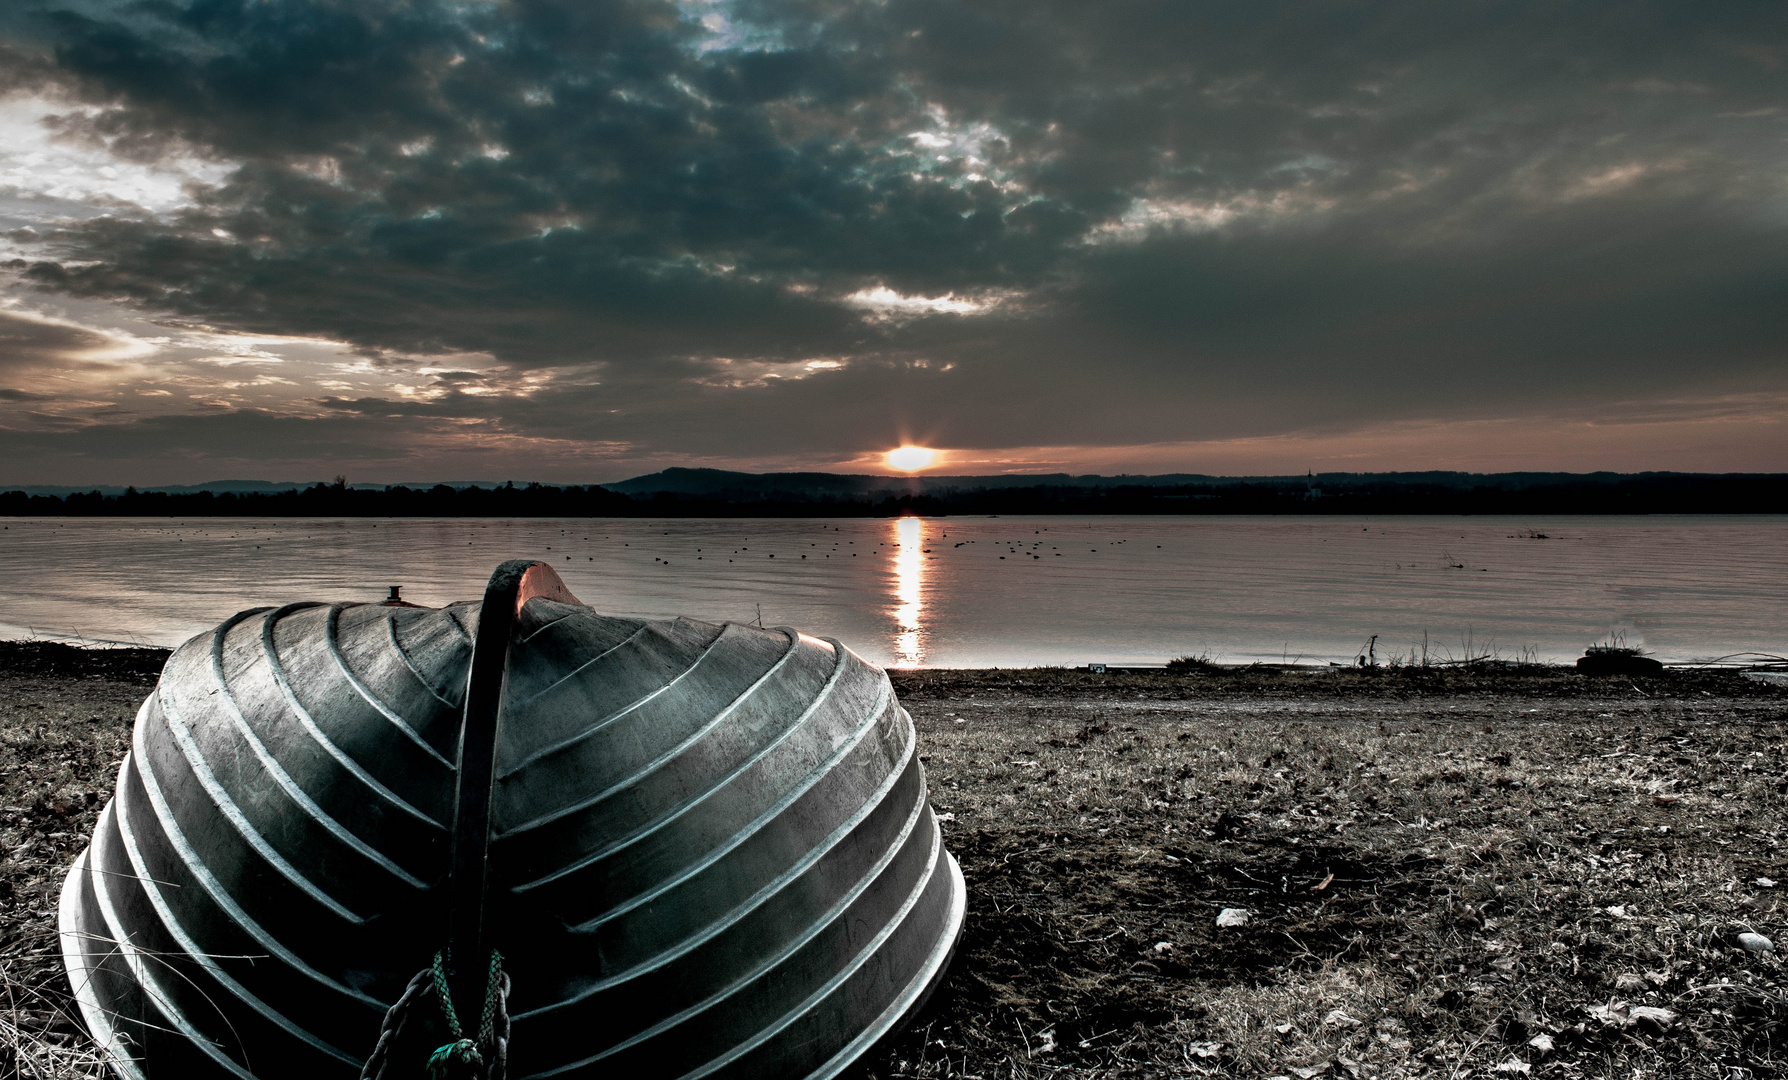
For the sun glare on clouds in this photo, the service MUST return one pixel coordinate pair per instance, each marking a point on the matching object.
(882, 302)
(36, 160)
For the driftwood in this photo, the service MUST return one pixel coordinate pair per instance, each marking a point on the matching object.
(703, 850)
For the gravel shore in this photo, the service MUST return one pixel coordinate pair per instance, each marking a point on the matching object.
(1436, 873)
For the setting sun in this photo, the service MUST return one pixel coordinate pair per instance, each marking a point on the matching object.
(911, 458)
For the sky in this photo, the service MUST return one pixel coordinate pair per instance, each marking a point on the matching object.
(577, 240)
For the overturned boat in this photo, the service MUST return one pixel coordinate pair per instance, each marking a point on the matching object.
(693, 849)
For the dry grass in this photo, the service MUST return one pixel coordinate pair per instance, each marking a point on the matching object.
(39, 1037)
(1511, 854)
(65, 717)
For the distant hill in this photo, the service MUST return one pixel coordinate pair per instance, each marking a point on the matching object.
(216, 487)
(715, 491)
(851, 487)
(219, 487)
(724, 486)
(719, 493)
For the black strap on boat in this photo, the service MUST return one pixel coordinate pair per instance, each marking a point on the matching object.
(513, 585)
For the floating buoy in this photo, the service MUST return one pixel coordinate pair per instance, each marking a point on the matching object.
(696, 849)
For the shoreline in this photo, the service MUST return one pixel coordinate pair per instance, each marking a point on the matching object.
(145, 658)
(1443, 870)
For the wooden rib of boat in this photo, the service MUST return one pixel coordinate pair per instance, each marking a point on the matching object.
(704, 850)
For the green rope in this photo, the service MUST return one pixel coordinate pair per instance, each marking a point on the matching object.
(487, 1025)
(462, 1055)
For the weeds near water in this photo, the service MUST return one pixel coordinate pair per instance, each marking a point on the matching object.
(1200, 663)
(1526, 658)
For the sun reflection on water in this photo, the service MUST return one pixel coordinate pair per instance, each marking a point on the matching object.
(909, 572)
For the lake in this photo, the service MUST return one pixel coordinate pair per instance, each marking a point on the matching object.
(972, 592)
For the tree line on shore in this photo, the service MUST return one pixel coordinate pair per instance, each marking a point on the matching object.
(1602, 494)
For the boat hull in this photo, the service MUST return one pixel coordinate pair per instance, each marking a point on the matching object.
(709, 848)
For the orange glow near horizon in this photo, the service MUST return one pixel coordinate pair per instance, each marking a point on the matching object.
(910, 458)
(909, 573)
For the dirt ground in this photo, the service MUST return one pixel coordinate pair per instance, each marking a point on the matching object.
(65, 719)
(1443, 873)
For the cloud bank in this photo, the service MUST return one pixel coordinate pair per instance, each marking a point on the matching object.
(575, 240)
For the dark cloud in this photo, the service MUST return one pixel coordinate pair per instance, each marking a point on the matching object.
(214, 439)
(31, 345)
(1156, 221)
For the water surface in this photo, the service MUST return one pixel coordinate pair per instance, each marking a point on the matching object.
(972, 591)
